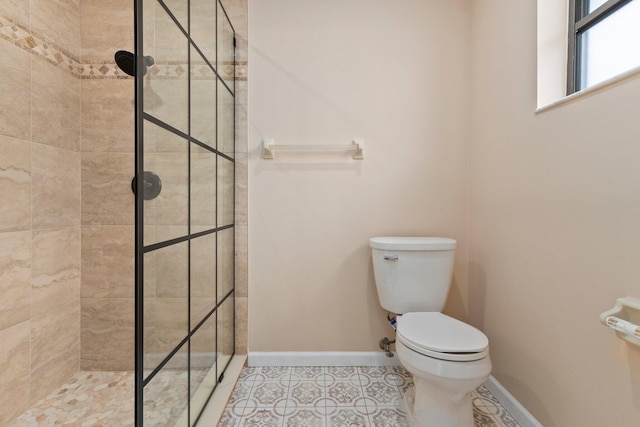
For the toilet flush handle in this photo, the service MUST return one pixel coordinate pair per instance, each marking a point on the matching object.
(393, 258)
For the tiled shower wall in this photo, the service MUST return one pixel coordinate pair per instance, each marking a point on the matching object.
(237, 11)
(107, 291)
(66, 138)
(40, 199)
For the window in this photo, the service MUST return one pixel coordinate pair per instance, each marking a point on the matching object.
(604, 40)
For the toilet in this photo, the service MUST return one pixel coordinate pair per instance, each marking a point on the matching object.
(448, 358)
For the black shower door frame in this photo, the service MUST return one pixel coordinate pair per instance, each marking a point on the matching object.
(224, 155)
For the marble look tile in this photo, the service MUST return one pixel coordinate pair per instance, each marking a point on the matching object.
(203, 19)
(241, 324)
(149, 271)
(203, 267)
(108, 261)
(56, 187)
(107, 334)
(172, 269)
(171, 323)
(59, 21)
(225, 264)
(241, 261)
(106, 27)
(168, 99)
(18, 10)
(203, 342)
(226, 122)
(241, 190)
(106, 188)
(225, 327)
(55, 269)
(203, 189)
(14, 371)
(225, 192)
(203, 103)
(200, 307)
(15, 184)
(172, 202)
(237, 11)
(55, 345)
(108, 115)
(149, 319)
(178, 9)
(241, 126)
(55, 104)
(15, 278)
(15, 86)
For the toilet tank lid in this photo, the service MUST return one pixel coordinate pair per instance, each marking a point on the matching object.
(412, 243)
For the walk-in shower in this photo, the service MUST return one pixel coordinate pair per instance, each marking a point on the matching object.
(185, 235)
(117, 128)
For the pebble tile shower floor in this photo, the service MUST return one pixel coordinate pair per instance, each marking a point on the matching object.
(366, 396)
(105, 399)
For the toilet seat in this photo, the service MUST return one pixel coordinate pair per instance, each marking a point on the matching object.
(442, 337)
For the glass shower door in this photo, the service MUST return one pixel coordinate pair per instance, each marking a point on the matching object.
(184, 207)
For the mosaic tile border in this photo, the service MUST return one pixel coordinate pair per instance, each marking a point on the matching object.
(39, 46)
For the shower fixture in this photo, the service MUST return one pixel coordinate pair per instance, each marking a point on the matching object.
(127, 62)
(151, 185)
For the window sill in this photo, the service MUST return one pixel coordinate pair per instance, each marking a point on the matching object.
(588, 91)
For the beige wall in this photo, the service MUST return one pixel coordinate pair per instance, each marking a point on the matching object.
(40, 193)
(324, 73)
(554, 213)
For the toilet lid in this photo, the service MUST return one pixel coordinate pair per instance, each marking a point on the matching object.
(441, 336)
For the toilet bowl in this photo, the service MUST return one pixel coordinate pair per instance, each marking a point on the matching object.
(448, 358)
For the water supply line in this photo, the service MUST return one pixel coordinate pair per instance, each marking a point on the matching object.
(386, 342)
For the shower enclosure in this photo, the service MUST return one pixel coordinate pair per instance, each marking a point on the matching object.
(184, 206)
(117, 308)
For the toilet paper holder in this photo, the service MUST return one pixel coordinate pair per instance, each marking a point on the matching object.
(624, 318)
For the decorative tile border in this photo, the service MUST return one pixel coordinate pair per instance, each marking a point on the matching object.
(41, 47)
(38, 45)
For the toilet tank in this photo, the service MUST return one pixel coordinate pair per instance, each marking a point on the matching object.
(412, 274)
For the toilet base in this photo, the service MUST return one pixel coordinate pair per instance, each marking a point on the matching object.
(430, 407)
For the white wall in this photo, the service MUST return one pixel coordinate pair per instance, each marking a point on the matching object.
(555, 229)
(326, 72)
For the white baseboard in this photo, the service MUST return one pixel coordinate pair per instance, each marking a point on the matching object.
(321, 358)
(506, 399)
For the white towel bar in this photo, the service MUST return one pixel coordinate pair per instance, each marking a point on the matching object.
(269, 147)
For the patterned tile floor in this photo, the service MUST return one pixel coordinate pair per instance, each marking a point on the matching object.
(366, 396)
